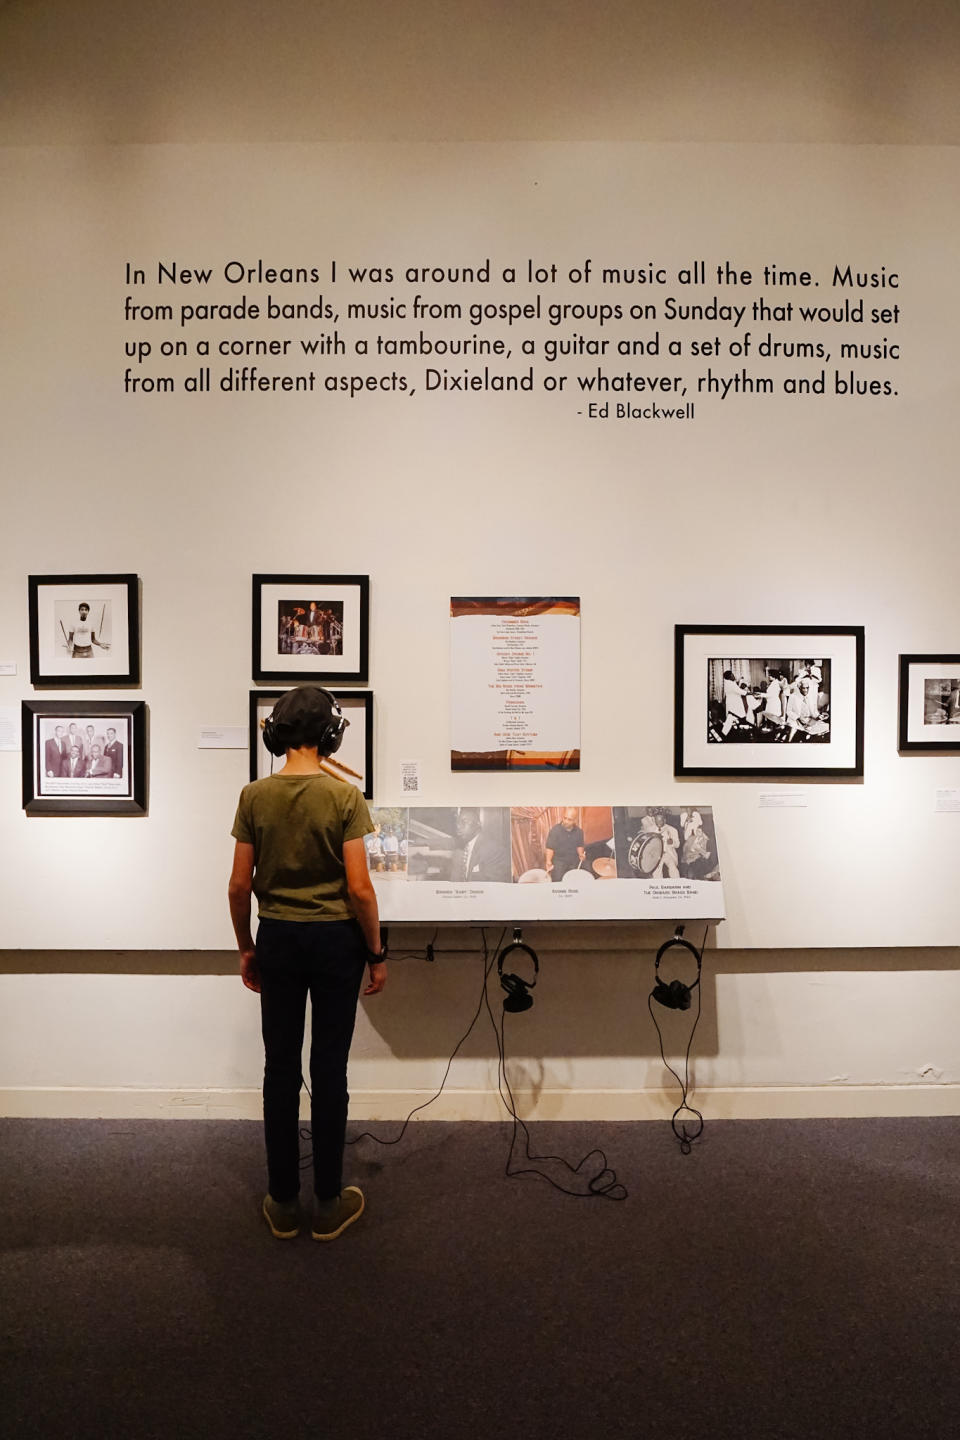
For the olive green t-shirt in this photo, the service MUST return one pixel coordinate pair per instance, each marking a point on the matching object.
(297, 825)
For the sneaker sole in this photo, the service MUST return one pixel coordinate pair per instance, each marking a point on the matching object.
(278, 1234)
(332, 1234)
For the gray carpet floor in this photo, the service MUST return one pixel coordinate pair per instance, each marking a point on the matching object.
(785, 1279)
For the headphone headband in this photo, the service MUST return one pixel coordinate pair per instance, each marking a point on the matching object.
(307, 711)
(675, 995)
(518, 990)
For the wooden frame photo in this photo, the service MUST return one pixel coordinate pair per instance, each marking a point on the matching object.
(84, 630)
(84, 757)
(763, 700)
(311, 627)
(929, 704)
(353, 762)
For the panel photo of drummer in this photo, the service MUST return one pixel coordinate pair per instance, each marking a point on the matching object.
(656, 842)
(768, 701)
(570, 844)
(310, 627)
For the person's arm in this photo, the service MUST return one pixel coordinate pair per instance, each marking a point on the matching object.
(240, 891)
(363, 902)
(548, 859)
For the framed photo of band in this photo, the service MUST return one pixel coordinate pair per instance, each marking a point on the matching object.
(311, 627)
(929, 704)
(769, 700)
(353, 762)
(84, 630)
(84, 758)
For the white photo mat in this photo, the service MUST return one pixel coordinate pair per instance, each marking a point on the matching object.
(57, 607)
(271, 657)
(838, 751)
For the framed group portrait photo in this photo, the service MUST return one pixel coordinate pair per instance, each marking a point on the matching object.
(84, 630)
(765, 700)
(84, 758)
(311, 627)
(929, 707)
(353, 762)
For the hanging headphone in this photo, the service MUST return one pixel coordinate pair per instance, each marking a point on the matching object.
(676, 994)
(518, 990)
(308, 715)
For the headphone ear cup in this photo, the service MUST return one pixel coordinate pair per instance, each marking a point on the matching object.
(518, 996)
(675, 996)
(270, 738)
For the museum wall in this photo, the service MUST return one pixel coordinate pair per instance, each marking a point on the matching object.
(554, 143)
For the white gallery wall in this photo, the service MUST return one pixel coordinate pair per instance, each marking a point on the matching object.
(541, 150)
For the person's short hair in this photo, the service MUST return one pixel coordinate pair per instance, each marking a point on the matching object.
(83, 605)
(111, 730)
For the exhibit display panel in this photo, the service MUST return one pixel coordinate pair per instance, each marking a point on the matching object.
(679, 383)
(558, 863)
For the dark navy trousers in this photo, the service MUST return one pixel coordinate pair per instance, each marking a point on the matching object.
(325, 960)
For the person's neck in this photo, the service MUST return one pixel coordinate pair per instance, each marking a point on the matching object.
(305, 761)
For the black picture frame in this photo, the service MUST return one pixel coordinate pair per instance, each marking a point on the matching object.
(929, 718)
(46, 793)
(54, 661)
(357, 705)
(824, 743)
(339, 652)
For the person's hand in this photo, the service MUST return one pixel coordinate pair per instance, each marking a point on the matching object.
(249, 970)
(378, 977)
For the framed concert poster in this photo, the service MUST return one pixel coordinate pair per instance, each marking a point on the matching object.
(353, 762)
(84, 758)
(84, 630)
(769, 700)
(310, 627)
(929, 704)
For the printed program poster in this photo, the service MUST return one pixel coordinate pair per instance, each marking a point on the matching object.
(515, 683)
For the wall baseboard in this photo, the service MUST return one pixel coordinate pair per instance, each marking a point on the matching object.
(783, 1102)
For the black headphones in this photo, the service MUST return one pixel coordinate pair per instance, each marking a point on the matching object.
(518, 991)
(676, 995)
(308, 715)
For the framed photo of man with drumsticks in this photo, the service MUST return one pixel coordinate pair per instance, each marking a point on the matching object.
(84, 630)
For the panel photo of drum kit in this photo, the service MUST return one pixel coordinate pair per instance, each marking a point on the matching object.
(547, 862)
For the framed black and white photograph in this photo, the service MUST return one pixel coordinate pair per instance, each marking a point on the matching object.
(84, 630)
(929, 704)
(312, 627)
(353, 762)
(768, 700)
(84, 759)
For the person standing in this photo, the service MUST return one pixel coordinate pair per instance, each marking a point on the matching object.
(299, 848)
(113, 750)
(53, 754)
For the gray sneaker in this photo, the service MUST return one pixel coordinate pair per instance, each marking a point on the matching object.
(283, 1218)
(331, 1217)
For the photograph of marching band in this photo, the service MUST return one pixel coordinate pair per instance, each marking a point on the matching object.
(656, 843)
(762, 701)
